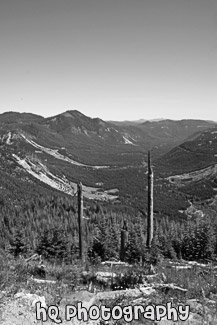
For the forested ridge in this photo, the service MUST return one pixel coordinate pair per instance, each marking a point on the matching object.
(47, 224)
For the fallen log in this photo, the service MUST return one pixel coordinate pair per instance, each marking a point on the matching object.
(43, 281)
(168, 286)
(131, 293)
(115, 263)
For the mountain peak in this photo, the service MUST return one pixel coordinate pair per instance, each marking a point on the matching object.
(74, 112)
(16, 117)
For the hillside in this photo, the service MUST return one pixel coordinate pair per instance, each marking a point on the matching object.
(41, 162)
(199, 151)
(55, 153)
(83, 135)
(192, 166)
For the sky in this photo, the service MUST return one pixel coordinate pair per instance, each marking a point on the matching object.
(113, 59)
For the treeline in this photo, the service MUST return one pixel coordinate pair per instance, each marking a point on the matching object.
(48, 225)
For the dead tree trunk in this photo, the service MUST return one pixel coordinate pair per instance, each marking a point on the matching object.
(124, 235)
(150, 203)
(80, 220)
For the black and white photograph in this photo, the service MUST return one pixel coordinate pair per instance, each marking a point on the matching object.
(108, 162)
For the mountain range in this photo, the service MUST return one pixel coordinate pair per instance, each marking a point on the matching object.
(109, 158)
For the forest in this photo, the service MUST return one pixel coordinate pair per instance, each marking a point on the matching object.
(48, 225)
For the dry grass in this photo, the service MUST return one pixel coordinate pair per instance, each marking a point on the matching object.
(201, 283)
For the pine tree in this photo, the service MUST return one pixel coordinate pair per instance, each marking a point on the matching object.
(18, 243)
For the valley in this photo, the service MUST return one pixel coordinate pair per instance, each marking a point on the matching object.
(40, 171)
(109, 158)
(41, 163)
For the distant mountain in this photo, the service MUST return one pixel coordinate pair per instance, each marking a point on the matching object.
(165, 134)
(192, 166)
(94, 141)
(110, 160)
(15, 117)
(125, 123)
(199, 151)
(140, 121)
